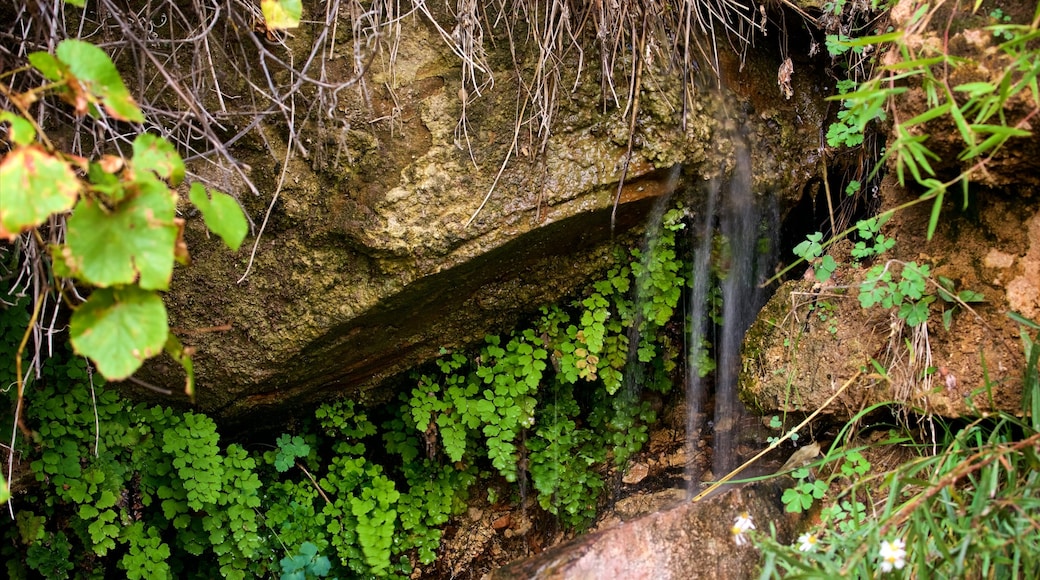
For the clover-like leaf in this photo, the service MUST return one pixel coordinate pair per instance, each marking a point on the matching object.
(135, 241)
(33, 185)
(119, 328)
(222, 215)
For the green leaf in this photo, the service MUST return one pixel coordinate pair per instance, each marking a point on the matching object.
(176, 350)
(118, 328)
(826, 268)
(48, 66)
(33, 185)
(222, 215)
(971, 296)
(939, 191)
(21, 132)
(976, 89)
(281, 14)
(135, 241)
(152, 153)
(99, 77)
(928, 115)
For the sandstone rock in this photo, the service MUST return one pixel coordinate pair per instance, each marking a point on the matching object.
(389, 242)
(689, 540)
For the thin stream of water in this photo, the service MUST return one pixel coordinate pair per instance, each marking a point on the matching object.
(733, 213)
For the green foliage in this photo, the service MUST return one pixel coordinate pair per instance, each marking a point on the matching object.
(906, 293)
(280, 14)
(962, 512)
(953, 300)
(369, 516)
(86, 78)
(289, 449)
(811, 250)
(222, 215)
(975, 108)
(143, 490)
(306, 564)
(800, 497)
(154, 493)
(487, 403)
(123, 235)
(30, 168)
(119, 328)
(907, 287)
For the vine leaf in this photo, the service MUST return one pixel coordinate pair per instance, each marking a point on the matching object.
(222, 215)
(33, 185)
(97, 78)
(21, 132)
(152, 153)
(135, 241)
(118, 328)
(281, 14)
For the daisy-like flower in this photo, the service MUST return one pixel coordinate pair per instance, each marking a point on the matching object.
(893, 555)
(807, 542)
(742, 524)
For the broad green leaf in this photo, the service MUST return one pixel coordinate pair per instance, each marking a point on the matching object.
(21, 131)
(281, 14)
(49, 67)
(152, 153)
(133, 242)
(95, 71)
(33, 185)
(119, 328)
(106, 183)
(77, 3)
(222, 215)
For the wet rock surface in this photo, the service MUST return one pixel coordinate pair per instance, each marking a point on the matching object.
(401, 234)
(688, 540)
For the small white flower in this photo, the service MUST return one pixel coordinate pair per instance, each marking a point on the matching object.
(742, 524)
(893, 555)
(807, 542)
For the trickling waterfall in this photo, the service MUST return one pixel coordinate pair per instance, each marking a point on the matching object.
(730, 230)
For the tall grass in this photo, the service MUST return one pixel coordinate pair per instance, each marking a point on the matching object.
(971, 510)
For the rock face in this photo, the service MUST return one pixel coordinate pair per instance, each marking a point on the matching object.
(810, 338)
(689, 540)
(406, 230)
(965, 359)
